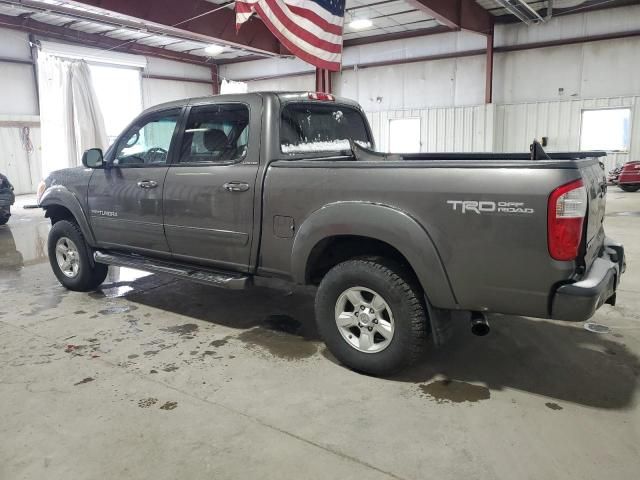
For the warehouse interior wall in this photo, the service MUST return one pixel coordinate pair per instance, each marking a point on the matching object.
(538, 92)
(21, 157)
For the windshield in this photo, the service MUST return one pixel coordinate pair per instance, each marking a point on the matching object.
(311, 127)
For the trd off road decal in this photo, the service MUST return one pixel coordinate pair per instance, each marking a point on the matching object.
(487, 207)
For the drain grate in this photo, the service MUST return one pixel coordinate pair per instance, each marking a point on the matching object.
(596, 328)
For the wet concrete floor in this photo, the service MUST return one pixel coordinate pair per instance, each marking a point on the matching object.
(151, 377)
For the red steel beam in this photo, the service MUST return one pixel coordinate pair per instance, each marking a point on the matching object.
(215, 80)
(488, 96)
(94, 40)
(323, 81)
(457, 14)
(220, 26)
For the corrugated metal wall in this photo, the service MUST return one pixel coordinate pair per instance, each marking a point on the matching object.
(517, 124)
(456, 129)
(508, 128)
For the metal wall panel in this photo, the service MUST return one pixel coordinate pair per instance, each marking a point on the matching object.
(518, 124)
(456, 129)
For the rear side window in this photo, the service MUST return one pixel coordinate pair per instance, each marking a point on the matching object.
(216, 133)
(311, 127)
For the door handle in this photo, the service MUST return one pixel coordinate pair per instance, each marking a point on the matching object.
(236, 186)
(147, 184)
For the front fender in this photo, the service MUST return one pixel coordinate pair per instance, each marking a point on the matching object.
(59, 195)
(379, 222)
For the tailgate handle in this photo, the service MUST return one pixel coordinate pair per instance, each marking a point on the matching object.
(236, 186)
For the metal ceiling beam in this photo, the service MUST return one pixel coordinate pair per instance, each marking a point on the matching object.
(94, 40)
(457, 14)
(218, 27)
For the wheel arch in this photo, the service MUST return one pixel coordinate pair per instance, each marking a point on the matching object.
(61, 204)
(368, 228)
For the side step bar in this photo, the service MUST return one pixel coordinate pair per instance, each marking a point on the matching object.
(232, 281)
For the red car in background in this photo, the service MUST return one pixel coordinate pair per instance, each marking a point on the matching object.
(629, 178)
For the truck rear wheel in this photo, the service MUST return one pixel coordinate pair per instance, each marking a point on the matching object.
(70, 260)
(371, 316)
(630, 188)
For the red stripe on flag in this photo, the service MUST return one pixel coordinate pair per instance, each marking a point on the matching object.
(293, 48)
(242, 7)
(300, 32)
(317, 19)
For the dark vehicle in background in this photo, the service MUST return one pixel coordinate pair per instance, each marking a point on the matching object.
(7, 198)
(221, 190)
(629, 177)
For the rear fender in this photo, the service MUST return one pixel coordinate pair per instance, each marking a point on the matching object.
(58, 195)
(379, 222)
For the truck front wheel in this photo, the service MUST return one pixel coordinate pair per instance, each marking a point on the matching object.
(371, 316)
(630, 188)
(70, 260)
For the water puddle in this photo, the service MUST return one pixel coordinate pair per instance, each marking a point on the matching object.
(453, 391)
(282, 337)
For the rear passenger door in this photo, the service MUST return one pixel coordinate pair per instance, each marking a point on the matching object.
(209, 189)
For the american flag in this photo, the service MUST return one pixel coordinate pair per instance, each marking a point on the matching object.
(310, 29)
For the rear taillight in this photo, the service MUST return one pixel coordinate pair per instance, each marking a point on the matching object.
(567, 209)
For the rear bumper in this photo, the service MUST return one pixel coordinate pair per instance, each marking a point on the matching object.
(578, 301)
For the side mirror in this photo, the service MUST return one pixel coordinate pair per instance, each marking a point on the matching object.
(93, 158)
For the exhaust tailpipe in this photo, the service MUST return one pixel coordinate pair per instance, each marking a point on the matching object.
(479, 324)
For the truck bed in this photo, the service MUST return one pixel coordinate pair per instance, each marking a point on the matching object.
(478, 252)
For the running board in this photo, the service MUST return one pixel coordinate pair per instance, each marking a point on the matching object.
(232, 281)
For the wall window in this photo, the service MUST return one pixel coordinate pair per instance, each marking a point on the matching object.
(404, 135)
(119, 93)
(606, 129)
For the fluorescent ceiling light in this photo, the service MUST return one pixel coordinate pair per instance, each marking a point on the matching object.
(361, 24)
(214, 49)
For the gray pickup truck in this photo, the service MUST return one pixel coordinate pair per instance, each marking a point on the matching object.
(224, 189)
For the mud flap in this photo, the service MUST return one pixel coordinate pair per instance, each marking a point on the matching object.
(441, 323)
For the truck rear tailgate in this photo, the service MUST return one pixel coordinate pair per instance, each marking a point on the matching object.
(594, 179)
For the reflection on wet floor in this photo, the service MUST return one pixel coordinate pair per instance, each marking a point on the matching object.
(118, 282)
(23, 241)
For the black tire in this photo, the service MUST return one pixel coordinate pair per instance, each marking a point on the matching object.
(5, 213)
(89, 274)
(405, 299)
(630, 188)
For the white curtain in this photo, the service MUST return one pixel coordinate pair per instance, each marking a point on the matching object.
(70, 116)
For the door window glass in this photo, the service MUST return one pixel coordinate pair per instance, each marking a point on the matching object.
(216, 133)
(147, 145)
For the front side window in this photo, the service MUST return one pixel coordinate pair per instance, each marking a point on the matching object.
(311, 127)
(216, 133)
(147, 144)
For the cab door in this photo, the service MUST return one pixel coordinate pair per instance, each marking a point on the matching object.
(209, 190)
(125, 198)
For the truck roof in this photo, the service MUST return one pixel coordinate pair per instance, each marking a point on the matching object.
(286, 96)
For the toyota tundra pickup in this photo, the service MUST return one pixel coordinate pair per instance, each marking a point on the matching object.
(224, 189)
